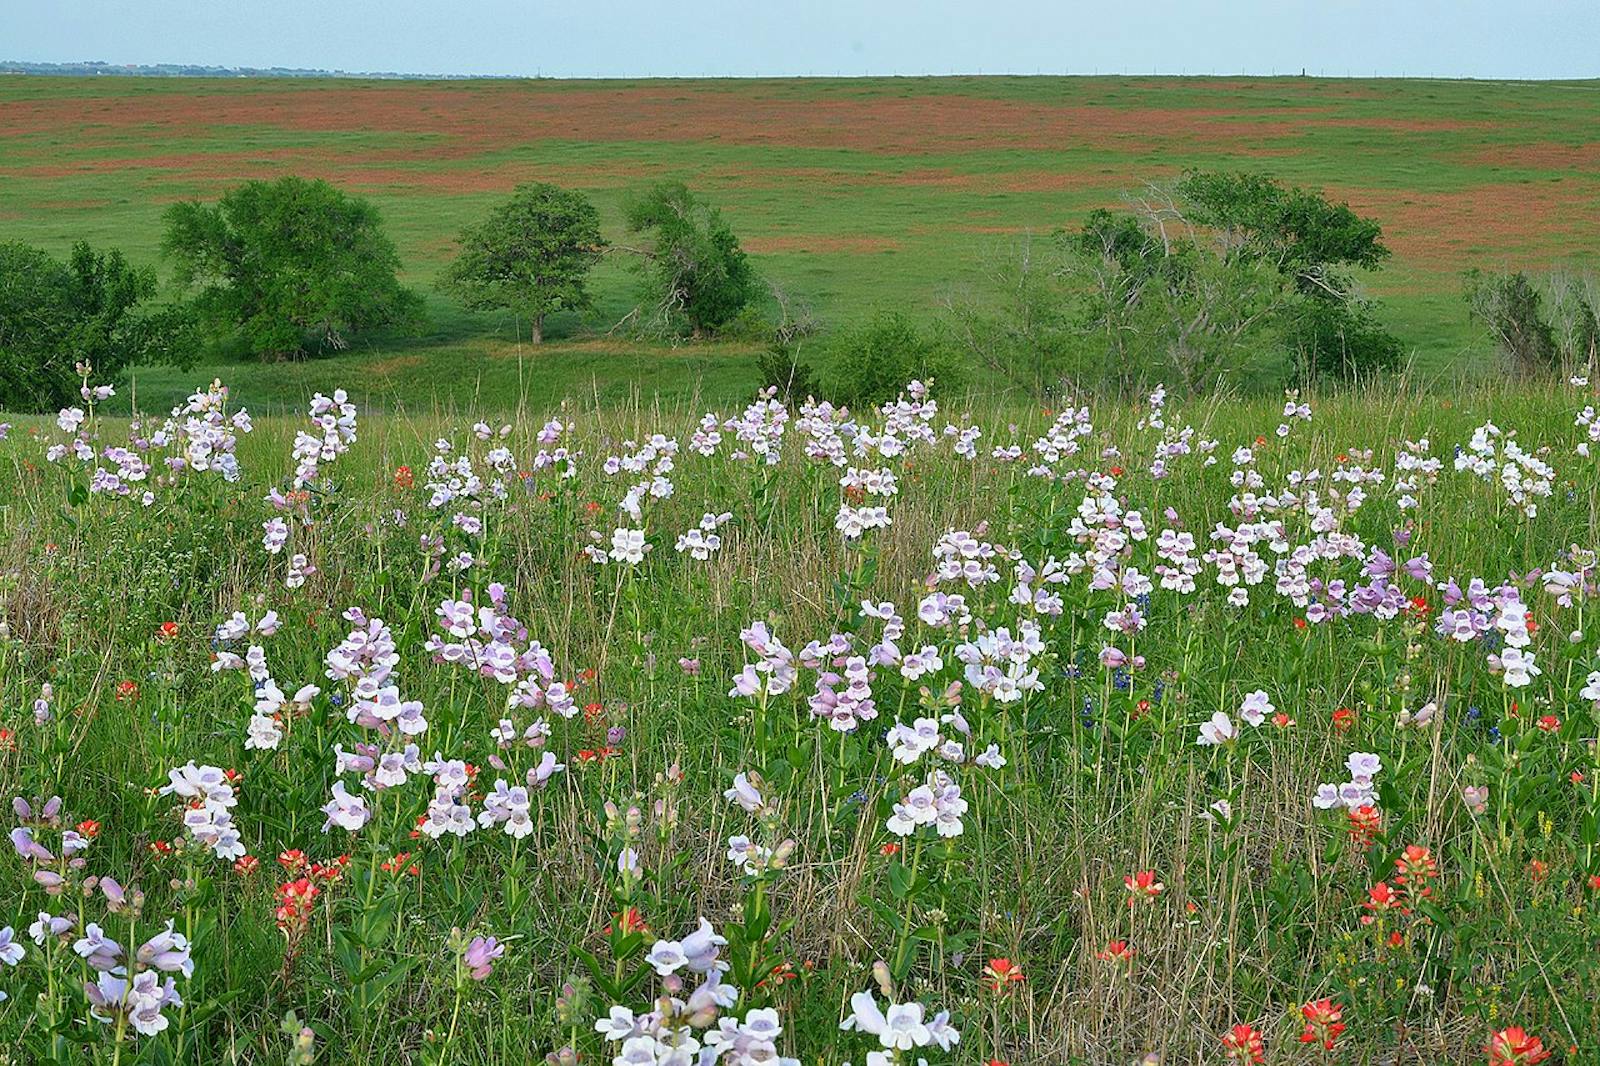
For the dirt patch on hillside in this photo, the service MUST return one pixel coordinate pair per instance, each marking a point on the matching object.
(1540, 155)
(1000, 181)
(1404, 125)
(1457, 228)
(461, 121)
(395, 364)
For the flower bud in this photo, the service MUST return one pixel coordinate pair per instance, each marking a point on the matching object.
(880, 974)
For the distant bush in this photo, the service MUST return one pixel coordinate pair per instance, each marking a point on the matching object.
(54, 315)
(1541, 325)
(871, 363)
(1026, 328)
(1311, 244)
(1210, 279)
(781, 368)
(780, 365)
(288, 266)
(1339, 341)
(699, 279)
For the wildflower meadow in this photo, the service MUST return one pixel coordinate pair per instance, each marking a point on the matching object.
(946, 732)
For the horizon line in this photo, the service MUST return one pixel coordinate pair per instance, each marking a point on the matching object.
(14, 66)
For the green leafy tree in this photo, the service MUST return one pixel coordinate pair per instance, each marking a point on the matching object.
(531, 256)
(698, 275)
(288, 266)
(1314, 244)
(1298, 232)
(54, 315)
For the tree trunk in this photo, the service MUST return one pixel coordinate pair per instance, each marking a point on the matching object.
(537, 336)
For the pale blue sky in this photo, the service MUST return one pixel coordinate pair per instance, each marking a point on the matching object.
(623, 38)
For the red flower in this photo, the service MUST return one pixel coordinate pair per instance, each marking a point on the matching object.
(1414, 869)
(292, 860)
(1549, 723)
(778, 975)
(1324, 1022)
(246, 865)
(1142, 886)
(1116, 951)
(1381, 898)
(89, 828)
(1242, 1043)
(1000, 973)
(1343, 719)
(127, 691)
(631, 921)
(168, 630)
(296, 899)
(403, 478)
(1514, 1047)
(396, 864)
(1365, 822)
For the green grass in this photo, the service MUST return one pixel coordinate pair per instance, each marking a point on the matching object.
(852, 194)
(1104, 777)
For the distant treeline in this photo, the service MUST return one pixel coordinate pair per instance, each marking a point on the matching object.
(1215, 278)
(193, 70)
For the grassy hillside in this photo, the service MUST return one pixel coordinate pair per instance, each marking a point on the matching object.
(853, 194)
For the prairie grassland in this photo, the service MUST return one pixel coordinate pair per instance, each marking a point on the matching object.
(1020, 750)
(852, 194)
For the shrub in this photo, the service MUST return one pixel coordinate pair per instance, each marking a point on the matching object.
(1340, 341)
(871, 363)
(781, 368)
(1542, 324)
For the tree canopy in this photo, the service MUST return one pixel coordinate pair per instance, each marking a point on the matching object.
(1216, 276)
(698, 274)
(55, 315)
(288, 266)
(1298, 232)
(530, 256)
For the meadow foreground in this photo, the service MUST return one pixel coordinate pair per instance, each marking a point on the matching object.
(1173, 732)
